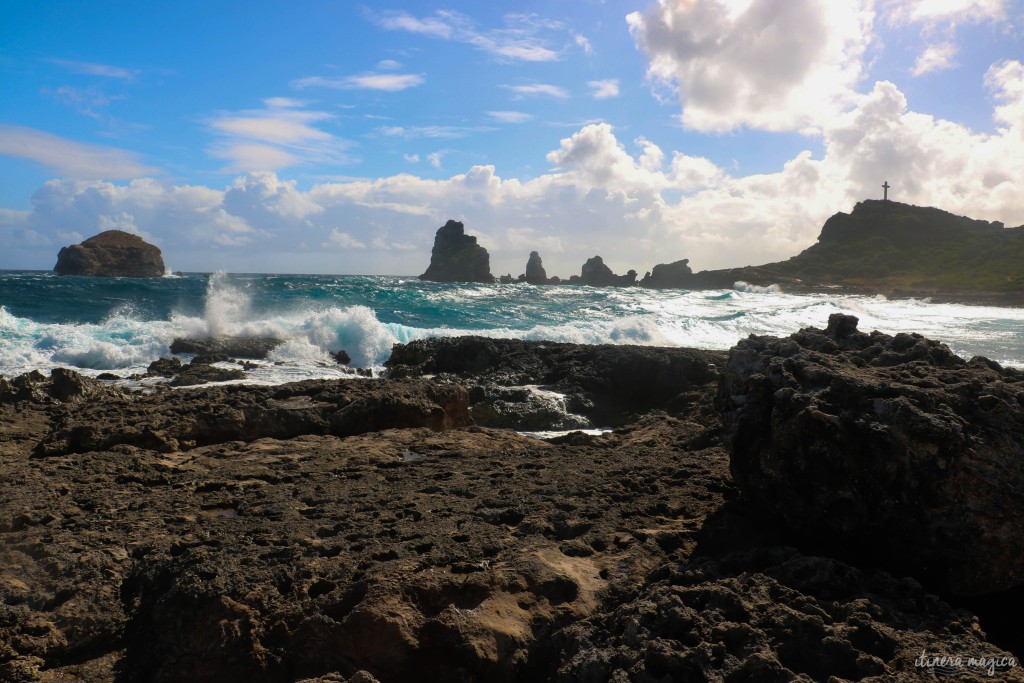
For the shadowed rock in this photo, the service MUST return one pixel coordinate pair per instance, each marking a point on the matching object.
(891, 448)
(456, 257)
(113, 253)
(595, 273)
(233, 347)
(675, 275)
(535, 273)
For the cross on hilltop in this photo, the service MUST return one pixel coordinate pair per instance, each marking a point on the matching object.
(885, 191)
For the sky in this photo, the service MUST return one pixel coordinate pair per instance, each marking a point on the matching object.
(336, 137)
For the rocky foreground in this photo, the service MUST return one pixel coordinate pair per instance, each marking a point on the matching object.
(401, 530)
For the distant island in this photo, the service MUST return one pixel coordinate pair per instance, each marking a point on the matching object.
(881, 247)
(113, 253)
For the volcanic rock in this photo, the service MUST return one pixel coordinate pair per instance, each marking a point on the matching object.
(595, 273)
(892, 449)
(456, 257)
(609, 384)
(232, 347)
(201, 373)
(675, 275)
(535, 273)
(113, 253)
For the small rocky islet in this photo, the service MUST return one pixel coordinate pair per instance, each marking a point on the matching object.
(834, 505)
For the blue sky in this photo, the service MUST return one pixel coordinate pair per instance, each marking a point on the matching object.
(336, 136)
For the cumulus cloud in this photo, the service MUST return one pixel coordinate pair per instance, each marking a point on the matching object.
(520, 39)
(71, 159)
(628, 200)
(280, 135)
(757, 63)
(935, 58)
(603, 90)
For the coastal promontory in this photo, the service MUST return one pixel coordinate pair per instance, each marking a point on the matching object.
(113, 253)
(456, 257)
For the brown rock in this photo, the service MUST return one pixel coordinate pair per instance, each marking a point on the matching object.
(113, 253)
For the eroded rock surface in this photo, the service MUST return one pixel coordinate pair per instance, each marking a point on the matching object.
(456, 257)
(891, 447)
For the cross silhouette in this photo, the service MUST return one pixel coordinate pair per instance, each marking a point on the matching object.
(885, 190)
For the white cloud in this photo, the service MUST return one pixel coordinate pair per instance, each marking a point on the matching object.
(583, 43)
(69, 158)
(545, 89)
(368, 81)
(96, 69)
(933, 12)
(630, 201)
(434, 159)
(338, 239)
(757, 63)
(412, 158)
(937, 57)
(519, 40)
(389, 64)
(433, 132)
(278, 136)
(510, 116)
(603, 90)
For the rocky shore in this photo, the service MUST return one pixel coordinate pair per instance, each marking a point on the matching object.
(831, 506)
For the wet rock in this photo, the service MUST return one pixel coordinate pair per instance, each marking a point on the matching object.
(535, 273)
(113, 253)
(197, 373)
(164, 367)
(892, 449)
(233, 347)
(675, 275)
(456, 257)
(342, 357)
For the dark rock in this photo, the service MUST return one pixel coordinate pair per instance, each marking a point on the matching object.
(889, 448)
(164, 367)
(183, 419)
(233, 347)
(197, 373)
(596, 274)
(113, 253)
(209, 358)
(535, 273)
(675, 275)
(342, 357)
(609, 384)
(68, 385)
(456, 257)
(107, 376)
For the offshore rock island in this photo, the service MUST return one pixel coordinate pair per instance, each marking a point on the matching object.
(831, 503)
(113, 253)
(881, 247)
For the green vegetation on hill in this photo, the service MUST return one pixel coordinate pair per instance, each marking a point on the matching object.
(883, 244)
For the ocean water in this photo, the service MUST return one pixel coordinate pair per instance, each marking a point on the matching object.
(120, 325)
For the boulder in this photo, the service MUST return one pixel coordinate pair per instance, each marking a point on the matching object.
(596, 274)
(113, 253)
(456, 257)
(535, 273)
(888, 448)
(675, 275)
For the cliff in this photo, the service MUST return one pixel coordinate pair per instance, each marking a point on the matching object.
(113, 253)
(456, 257)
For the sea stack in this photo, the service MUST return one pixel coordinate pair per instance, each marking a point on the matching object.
(675, 275)
(113, 253)
(535, 273)
(456, 257)
(596, 273)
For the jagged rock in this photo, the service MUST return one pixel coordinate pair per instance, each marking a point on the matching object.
(456, 257)
(232, 347)
(113, 253)
(595, 273)
(535, 273)
(164, 367)
(180, 420)
(675, 275)
(890, 448)
(609, 384)
(199, 373)
(342, 357)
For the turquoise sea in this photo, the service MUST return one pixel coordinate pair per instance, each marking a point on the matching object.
(120, 325)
